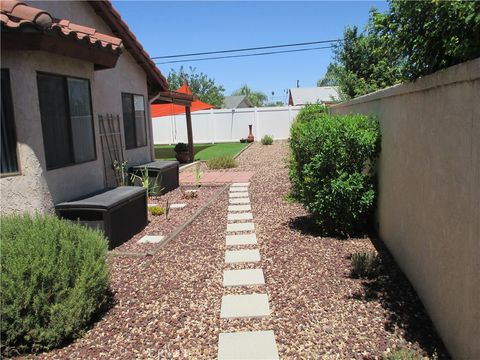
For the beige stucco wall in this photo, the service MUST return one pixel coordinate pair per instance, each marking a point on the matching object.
(37, 189)
(429, 194)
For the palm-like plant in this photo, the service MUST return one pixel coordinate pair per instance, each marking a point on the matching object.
(256, 98)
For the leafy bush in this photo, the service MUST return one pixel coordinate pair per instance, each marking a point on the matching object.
(311, 111)
(332, 169)
(222, 162)
(267, 140)
(180, 147)
(403, 354)
(156, 210)
(54, 281)
(365, 265)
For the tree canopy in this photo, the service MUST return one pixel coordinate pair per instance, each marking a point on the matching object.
(201, 85)
(412, 39)
(256, 98)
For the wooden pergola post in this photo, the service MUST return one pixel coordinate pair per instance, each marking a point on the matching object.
(189, 132)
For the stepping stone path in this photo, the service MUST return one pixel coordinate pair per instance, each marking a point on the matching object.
(177, 206)
(247, 345)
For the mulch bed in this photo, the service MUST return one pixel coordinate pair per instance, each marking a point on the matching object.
(162, 225)
(168, 305)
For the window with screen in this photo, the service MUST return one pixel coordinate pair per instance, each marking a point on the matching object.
(67, 121)
(134, 120)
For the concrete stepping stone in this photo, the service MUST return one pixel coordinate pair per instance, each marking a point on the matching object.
(239, 195)
(240, 256)
(238, 189)
(243, 239)
(247, 345)
(240, 184)
(240, 227)
(239, 216)
(243, 277)
(151, 239)
(239, 201)
(244, 306)
(239, 208)
(151, 205)
(191, 191)
(177, 206)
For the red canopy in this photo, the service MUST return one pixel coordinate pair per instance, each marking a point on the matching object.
(172, 109)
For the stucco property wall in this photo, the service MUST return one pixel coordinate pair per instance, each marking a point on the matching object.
(429, 194)
(37, 189)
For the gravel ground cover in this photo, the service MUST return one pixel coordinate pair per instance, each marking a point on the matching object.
(168, 305)
(161, 225)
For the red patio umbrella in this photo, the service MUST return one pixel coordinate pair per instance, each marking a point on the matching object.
(159, 110)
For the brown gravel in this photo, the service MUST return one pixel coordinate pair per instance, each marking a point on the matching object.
(168, 305)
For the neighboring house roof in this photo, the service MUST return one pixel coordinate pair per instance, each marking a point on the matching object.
(156, 81)
(302, 96)
(236, 101)
(17, 15)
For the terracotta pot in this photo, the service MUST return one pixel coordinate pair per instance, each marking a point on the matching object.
(182, 156)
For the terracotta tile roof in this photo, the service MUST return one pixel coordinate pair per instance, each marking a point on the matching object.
(16, 15)
(156, 81)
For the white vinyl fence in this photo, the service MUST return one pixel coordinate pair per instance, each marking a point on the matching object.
(224, 125)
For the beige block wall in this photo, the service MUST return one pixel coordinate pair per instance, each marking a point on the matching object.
(429, 194)
(37, 189)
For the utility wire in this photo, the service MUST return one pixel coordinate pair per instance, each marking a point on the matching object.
(244, 55)
(245, 49)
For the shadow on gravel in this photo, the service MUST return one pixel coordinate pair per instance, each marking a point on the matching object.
(405, 310)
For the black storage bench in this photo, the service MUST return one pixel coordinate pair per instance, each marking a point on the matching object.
(167, 172)
(120, 212)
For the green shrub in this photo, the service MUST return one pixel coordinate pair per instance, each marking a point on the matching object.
(403, 354)
(54, 281)
(332, 169)
(267, 140)
(222, 162)
(311, 111)
(156, 210)
(365, 265)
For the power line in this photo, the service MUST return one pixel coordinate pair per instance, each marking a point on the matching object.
(244, 55)
(245, 49)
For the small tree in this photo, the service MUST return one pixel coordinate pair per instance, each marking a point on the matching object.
(201, 85)
(256, 98)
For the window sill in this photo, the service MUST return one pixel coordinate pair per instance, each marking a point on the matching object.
(5, 175)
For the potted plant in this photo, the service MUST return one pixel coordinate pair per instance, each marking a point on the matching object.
(181, 152)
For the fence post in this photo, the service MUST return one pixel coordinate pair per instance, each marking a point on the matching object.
(256, 122)
(212, 125)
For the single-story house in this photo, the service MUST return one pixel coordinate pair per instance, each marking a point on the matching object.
(327, 95)
(76, 84)
(236, 102)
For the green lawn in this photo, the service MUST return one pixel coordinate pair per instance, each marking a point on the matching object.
(202, 151)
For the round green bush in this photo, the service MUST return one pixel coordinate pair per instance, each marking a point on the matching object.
(54, 280)
(332, 169)
(267, 140)
(311, 111)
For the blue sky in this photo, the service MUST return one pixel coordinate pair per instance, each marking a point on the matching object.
(167, 28)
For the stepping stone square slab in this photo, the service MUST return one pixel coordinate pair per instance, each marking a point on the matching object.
(239, 216)
(247, 345)
(239, 256)
(243, 277)
(239, 195)
(151, 239)
(240, 227)
(239, 201)
(240, 184)
(177, 206)
(239, 208)
(238, 189)
(243, 239)
(244, 306)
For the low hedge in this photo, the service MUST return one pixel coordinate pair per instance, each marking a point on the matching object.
(54, 280)
(332, 169)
